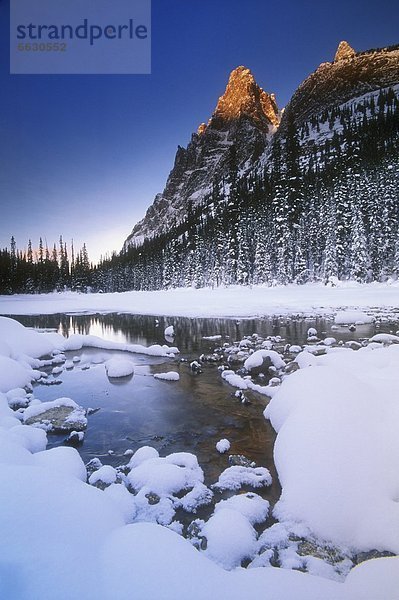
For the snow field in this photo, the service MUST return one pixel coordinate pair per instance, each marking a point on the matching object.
(235, 301)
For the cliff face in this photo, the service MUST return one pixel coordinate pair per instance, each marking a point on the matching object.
(236, 134)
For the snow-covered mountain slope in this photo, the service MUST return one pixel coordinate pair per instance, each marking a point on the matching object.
(350, 75)
(244, 119)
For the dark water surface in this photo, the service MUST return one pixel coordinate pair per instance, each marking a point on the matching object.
(189, 415)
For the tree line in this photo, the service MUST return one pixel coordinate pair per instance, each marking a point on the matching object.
(44, 269)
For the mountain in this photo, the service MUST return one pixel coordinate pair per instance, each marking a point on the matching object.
(350, 75)
(262, 196)
(236, 134)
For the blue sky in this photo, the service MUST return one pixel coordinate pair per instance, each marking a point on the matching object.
(84, 156)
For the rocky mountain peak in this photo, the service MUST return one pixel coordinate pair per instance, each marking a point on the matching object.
(351, 74)
(344, 51)
(240, 128)
(243, 97)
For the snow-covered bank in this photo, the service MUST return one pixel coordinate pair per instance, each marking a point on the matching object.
(310, 299)
(337, 449)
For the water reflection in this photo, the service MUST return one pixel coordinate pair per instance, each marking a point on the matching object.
(190, 332)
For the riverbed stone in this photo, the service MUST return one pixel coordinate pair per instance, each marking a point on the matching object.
(74, 439)
(93, 465)
(266, 368)
(326, 552)
(60, 419)
(240, 460)
(291, 367)
(153, 498)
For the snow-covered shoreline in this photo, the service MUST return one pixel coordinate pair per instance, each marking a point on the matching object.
(64, 538)
(233, 302)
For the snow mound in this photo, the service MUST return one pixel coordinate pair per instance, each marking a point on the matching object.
(5, 349)
(142, 454)
(305, 359)
(234, 380)
(329, 341)
(165, 476)
(169, 331)
(256, 359)
(13, 374)
(200, 495)
(325, 418)
(119, 367)
(52, 528)
(123, 500)
(152, 508)
(169, 376)
(105, 474)
(242, 383)
(31, 439)
(223, 446)
(295, 349)
(357, 317)
(233, 478)
(250, 505)
(63, 461)
(385, 338)
(23, 341)
(230, 538)
(153, 550)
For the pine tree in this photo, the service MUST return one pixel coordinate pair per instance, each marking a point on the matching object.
(30, 270)
(263, 261)
(330, 262)
(359, 257)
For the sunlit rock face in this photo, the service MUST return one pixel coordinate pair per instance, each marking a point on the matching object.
(349, 76)
(235, 136)
(244, 98)
(344, 52)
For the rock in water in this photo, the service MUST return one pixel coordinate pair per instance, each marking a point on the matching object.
(119, 367)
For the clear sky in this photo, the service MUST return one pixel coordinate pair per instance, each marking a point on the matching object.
(84, 155)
